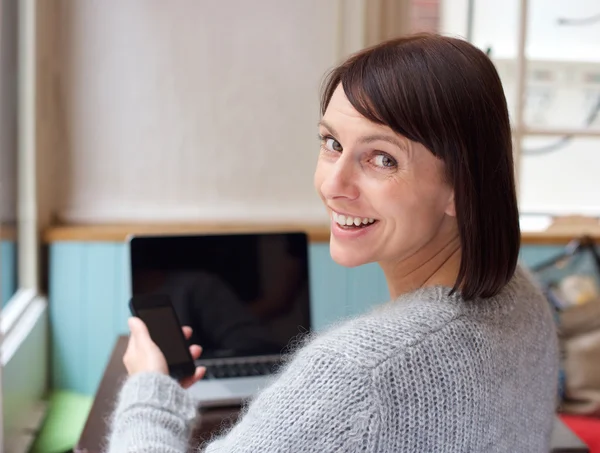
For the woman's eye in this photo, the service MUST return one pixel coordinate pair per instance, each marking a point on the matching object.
(383, 160)
(332, 144)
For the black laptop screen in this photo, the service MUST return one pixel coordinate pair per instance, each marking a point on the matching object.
(242, 294)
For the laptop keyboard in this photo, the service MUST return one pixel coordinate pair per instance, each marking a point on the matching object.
(232, 369)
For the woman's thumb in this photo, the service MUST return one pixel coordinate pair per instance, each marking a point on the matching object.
(138, 328)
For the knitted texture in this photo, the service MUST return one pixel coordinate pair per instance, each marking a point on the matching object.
(427, 372)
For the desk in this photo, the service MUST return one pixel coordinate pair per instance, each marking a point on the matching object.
(94, 432)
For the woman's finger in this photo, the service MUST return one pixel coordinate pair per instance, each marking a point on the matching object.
(138, 328)
(142, 354)
(187, 332)
(199, 374)
(129, 352)
(195, 350)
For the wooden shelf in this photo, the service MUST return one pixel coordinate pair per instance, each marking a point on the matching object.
(560, 232)
(564, 229)
(8, 232)
(549, 237)
(120, 232)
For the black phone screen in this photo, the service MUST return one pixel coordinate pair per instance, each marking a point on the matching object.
(164, 331)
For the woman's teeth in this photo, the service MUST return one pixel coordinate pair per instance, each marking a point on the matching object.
(348, 221)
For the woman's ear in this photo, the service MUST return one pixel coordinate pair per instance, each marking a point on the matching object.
(451, 206)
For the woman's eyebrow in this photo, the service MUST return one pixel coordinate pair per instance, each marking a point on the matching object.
(368, 138)
(381, 137)
(328, 126)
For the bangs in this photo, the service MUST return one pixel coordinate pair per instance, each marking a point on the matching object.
(379, 86)
(358, 86)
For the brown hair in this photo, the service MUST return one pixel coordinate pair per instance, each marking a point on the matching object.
(446, 94)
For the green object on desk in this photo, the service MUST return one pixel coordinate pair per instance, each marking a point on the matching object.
(67, 413)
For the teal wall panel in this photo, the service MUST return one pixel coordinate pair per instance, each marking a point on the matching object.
(105, 300)
(88, 310)
(8, 270)
(366, 287)
(328, 284)
(531, 255)
(89, 290)
(67, 306)
(338, 292)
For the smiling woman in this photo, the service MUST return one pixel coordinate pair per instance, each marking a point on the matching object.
(415, 168)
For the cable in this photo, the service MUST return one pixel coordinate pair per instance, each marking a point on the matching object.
(582, 21)
(563, 141)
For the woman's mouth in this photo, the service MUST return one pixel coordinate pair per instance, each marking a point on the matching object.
(351, 222)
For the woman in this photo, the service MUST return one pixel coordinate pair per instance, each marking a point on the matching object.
(416, 171)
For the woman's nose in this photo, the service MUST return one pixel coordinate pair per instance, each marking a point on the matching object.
(340, 181)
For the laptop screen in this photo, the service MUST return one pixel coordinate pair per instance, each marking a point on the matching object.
(242, 294)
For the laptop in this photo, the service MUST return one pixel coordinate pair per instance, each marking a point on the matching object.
(246, 297)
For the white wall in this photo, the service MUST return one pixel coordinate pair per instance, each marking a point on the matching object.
(566, 181)
(156, 105)
(194, 110)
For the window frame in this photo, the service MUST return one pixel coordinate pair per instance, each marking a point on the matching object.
(27, 236)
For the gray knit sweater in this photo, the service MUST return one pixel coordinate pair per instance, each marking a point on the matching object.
(427, 372)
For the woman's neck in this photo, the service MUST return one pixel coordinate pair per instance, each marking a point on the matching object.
(437, 263)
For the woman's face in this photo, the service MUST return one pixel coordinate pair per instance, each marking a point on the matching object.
(391, 190)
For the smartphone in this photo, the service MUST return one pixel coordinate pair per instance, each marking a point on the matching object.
(157, 312)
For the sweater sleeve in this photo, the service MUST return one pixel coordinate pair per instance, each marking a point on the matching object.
(320, 402)
(153, 414)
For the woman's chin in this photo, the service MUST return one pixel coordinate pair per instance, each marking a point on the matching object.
(347, 257)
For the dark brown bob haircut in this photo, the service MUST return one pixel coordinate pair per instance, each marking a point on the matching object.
(446, 94)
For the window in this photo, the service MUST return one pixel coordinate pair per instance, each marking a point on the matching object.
(17, 173)
(561, 120)
(22, 310)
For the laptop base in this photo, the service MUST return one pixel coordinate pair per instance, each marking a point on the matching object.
(228, 392)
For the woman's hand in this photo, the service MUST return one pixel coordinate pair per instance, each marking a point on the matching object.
(143, 355)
